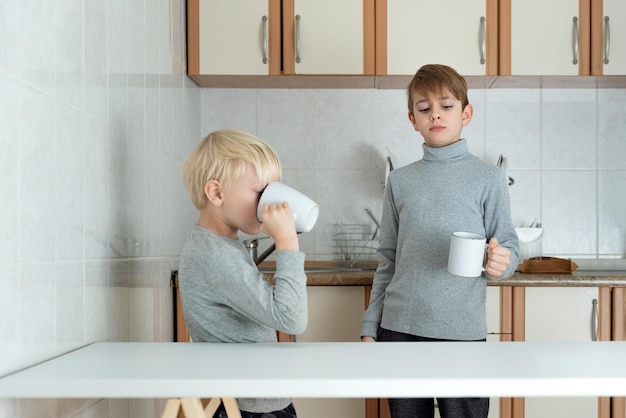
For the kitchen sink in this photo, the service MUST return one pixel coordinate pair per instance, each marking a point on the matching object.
(315, 270)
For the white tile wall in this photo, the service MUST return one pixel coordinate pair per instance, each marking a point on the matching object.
(96, 117)
(566, 151)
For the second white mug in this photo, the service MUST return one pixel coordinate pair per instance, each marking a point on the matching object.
(467, 254)
(305, 211)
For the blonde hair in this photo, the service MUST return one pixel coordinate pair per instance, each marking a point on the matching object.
(435, 78)
(224, 156)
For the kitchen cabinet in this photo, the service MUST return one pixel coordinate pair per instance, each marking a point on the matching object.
(572, 314)
(381, 43)
(562, 37)
(234, 36)
(618, 333)
(334, 316)
(328, 37)
(562, 314)
(540, 38)
(460, 33)
(608, 37)
(274, 37)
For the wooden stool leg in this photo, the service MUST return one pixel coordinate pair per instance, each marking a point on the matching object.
(231, 407)
(212, 406)
(171, 408)
(192, 408)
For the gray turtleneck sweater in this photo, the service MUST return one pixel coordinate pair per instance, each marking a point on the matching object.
(448, 190)
(227, 300)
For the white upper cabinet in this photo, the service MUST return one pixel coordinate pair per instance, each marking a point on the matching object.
(424, 32)
(545, 37)
(233, 37)
(614, 37)
(327, 37)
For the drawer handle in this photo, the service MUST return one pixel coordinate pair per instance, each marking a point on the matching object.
(594, 320)
(607, 39)
(298, 59)
(264, 20)
(575, 60)
(483, 40)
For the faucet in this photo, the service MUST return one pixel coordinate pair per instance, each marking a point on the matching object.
(504, 166)
(252, 246)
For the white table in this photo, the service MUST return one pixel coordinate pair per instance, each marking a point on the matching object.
(341, 370)
(360, 370)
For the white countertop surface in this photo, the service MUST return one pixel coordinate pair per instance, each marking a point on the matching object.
(340, 370)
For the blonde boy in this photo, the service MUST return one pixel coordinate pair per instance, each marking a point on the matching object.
(225, 298)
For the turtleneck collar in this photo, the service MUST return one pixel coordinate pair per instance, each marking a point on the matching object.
(453, 151)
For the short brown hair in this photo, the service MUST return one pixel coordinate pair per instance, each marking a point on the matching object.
(435, 78)
(224, 156)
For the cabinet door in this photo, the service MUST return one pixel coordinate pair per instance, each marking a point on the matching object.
(231, 37)
(324, 36)
(492, 308)
(543, 37)
(422, 32)
(561, 314)
(614, 37)
(334, 316)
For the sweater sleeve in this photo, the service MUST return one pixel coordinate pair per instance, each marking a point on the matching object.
(386, 268)
(498, 223)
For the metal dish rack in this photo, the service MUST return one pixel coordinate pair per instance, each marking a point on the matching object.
(352, 242)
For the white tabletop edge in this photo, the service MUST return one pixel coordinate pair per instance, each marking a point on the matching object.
(326, 370)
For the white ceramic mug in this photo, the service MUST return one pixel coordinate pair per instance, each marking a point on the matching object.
(467, 254)
(305, 211)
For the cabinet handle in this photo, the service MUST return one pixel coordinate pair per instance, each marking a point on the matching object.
(264, 30)
(575, 60)
(483, 40)
(594, 320)
(298, 59)
(607, 39)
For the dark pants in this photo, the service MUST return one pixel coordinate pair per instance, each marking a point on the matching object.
(289, 412)
(425, 407)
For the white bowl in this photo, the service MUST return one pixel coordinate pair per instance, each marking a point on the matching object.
(529, 234)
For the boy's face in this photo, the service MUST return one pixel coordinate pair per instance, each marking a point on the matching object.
(439, 118)
(240, 202)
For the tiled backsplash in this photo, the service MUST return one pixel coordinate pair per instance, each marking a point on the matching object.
(566, 150)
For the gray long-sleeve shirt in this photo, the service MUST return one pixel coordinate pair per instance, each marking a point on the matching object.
(226, 299)
(448, 190)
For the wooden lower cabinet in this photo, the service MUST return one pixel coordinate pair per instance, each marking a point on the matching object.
(618, 333)
(571, 314)
(562, 314)
(334, 316)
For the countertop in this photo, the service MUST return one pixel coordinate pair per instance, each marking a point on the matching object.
(326, 370)
(579, 278)
(364, 274)
(575, 279)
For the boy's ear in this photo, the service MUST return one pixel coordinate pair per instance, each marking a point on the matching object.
(468, 112)
(213, 192)
(412, 119)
